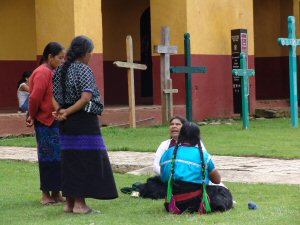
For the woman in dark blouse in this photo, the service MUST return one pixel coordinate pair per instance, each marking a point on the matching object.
(86, 170)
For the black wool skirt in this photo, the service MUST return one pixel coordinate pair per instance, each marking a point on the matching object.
(86, 170)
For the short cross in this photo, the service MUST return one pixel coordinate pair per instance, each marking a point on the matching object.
(188, 70)
(244, 72)
(166, 83)
(293, 43)
(130, 76)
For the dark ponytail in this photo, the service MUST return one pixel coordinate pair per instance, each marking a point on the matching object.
(52, 48)
(25, 75)
(80, 46)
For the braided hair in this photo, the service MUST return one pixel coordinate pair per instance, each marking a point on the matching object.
(80, 46)
(190, 133)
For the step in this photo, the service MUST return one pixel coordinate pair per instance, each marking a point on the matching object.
(13, 124)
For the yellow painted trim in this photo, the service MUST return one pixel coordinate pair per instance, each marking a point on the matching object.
(17, 38)
(54, 22)
(88, 21)
(171, 13)
(210, 24)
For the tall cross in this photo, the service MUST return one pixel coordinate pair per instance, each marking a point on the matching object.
(293, 43)
(188, 70)
(166, 83)
(130, 76)
(244, 72)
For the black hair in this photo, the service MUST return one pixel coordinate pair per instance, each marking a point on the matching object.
(52, 48)
(182, 119)
(189, 133)
(26, 74)
(80, 46)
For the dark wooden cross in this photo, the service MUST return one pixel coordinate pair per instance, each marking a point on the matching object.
(130, 76)
(293, 43)
(244, 72)
(166, 83)
(188, 70)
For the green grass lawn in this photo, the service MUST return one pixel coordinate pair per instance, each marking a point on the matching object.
(20, 196)
(266, 138)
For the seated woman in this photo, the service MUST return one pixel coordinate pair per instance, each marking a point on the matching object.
(23, 91)
(182, 167)
(154, 188)
(176, 123)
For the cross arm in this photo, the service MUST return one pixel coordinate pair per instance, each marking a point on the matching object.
(243, 72)
(165, 49)
(184, 69)
(288, 41)
(169, 91)
(130, 65)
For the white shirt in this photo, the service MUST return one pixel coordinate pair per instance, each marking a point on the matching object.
(22, 95)
(164, 146)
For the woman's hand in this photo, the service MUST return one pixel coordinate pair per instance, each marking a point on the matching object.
(29, 121)
(60, 114)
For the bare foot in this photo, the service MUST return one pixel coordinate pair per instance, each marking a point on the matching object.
(80, 207)
(57, 197)
(68, 209)
(47, 201)
(69, 205)
(81, 210)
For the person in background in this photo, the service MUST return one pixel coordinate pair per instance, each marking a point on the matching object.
(86, 170)
(46, 128)
(23, 91)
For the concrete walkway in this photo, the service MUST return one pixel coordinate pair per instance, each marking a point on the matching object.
(233, 169)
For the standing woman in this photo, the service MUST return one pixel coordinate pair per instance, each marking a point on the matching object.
(86, 170)
(46, 128)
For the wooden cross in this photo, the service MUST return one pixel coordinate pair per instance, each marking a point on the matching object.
(244, 72)
(166, 83)
(293, 43)
(130, 76)
(188, 70)
(169, 91)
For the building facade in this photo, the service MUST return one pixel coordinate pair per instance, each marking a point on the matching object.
(28, 25)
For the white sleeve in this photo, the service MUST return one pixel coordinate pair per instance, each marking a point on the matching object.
(202, 145)
(159, 152)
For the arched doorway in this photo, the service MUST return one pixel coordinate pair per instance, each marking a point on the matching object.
(271, 60)
(146, 57)
(119, 19)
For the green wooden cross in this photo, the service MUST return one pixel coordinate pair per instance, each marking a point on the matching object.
(293, 43)
(188, 70)
(244, 72)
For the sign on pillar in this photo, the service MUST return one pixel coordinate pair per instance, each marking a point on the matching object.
(244, 73)
(188, 70)
(166, 83)
(130, 76)
(292, 42)
(239, 43)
